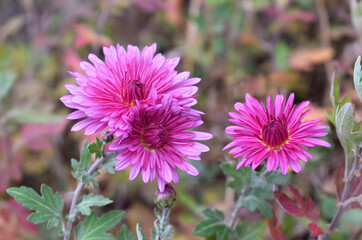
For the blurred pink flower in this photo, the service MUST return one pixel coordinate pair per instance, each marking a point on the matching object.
(157, 141)
(275, 132)
(107, 94)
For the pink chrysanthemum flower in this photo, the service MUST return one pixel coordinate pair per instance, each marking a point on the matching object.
(157, 141)
(275, 132)
(106, 95)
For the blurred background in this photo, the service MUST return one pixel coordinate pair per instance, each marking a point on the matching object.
(235, 46)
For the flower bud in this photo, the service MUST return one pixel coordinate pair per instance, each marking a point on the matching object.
(167, 198)
(106, 137)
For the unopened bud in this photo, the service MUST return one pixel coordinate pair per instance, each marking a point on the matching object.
(106, 137)
(167, 198)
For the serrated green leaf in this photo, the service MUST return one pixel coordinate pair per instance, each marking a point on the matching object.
(125, 234)
(94, 228)
(85, 156)
(262, 193)
(89, 201)
(246, 231)
(214, 224)
(241, 177)
(6, 81)
(140, 234)
(357, 74)
(252, 203)
(48, 207)
(96, 148)
(277, 178)
(108, 165)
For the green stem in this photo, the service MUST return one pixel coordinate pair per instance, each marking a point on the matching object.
(76, 195)
(345, 193)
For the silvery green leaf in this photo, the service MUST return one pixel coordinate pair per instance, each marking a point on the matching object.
(89, 201)
(94, 228)
(48, 207)
(109, 164)
(345, 124)
(140, 234)
(253, 202)
(357, 74)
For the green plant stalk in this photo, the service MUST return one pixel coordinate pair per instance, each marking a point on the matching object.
(345, 193)
(239, 205)
(77, 192)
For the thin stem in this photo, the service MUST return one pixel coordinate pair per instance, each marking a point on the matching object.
(238, 204)
(351, 200)
(344, 196)
(234, 214)
(77, 192)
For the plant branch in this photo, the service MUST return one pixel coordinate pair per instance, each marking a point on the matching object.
(77, 192)
(351, 200)
(234, 214)
(238, 204)
(344, 196)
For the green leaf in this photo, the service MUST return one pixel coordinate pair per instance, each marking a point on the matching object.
(6, 81)
(81, 167)
(252, 203)
(89, 201)
(109, 164)
(85, 156)
(334, 93)
(96, 148)
(331, 117)
(276, 178)
(140, 234)
(241, 177)
(125, 234)
(345, 124)
(214, 224)
(48, 207)
(94, 228)
(246, 231)
(357, 74)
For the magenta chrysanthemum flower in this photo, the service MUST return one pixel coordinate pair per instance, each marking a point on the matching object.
(157, 141)
(106, 95)
(275, 132)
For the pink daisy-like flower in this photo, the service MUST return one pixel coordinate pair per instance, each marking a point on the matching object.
(275, 132)
(106, 95)
(157, 141)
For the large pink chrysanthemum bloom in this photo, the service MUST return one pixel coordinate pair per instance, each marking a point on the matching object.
(106, 95)
(157, 142)
(275, 132)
